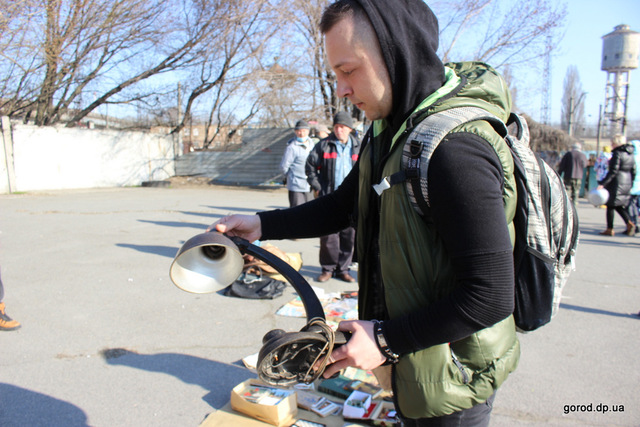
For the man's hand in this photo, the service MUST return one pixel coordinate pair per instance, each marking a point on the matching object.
(248, 227)
(361, 351)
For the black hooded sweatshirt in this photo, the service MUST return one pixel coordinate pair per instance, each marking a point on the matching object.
(468, 170)
(409, 42)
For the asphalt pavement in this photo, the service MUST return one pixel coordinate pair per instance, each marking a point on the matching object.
(108, 340)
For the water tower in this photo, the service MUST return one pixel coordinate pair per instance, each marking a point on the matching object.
(620, 52)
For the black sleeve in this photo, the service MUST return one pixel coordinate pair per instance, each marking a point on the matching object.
(311, 167)
(319, 217)
(465, 191)
(562, 166)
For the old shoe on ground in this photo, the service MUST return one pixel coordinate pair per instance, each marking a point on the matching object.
(326, 275)
(346, 277)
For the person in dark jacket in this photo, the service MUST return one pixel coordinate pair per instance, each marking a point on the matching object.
(572, 168)
(618, 182)
(634, 205)
(328, 164)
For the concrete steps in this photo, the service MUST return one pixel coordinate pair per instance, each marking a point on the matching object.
(256, 163)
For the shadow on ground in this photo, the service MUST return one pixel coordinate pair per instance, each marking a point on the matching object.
(166, 251)
(216, 377)
(20, 407)
(598, 311)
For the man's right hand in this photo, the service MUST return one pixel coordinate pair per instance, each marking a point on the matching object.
(248, 227)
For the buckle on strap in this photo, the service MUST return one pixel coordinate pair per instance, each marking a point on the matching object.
(383, 185)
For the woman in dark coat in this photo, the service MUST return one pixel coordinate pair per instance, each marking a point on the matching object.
(618, 182)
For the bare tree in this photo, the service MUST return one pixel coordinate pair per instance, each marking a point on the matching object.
(72, 44)
(105, 50)
(546, 138)
(62, 59)
(281, 92)
(572, 110)
(497, 32)
(228, 59)
(505, 34)
(324, 81)
(18, 53)
(300, 80)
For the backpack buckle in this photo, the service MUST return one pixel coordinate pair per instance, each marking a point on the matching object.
(383, 185)
(415, 148)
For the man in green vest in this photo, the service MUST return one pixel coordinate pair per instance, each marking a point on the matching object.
(436, 293)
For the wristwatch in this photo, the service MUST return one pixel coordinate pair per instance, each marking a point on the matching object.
(382, 343)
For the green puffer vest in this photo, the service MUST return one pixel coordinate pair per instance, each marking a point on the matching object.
(417, 271)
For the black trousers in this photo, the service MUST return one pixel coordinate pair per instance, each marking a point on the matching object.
(336, 251)
(477, 416)
(622, 211)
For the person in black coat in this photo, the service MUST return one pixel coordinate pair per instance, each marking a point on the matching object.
(618, 182)
(329, 162)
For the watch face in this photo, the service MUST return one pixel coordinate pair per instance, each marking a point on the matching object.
(383, 342)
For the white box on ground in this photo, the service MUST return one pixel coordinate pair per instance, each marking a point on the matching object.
(356, 405)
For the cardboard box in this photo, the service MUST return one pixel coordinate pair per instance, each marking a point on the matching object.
(357, 405)
(385, 415)
(272, 405)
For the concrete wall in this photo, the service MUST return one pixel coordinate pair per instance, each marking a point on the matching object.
(45, 158)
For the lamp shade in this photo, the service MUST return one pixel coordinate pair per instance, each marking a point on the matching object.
(598, 197)
(206, 263)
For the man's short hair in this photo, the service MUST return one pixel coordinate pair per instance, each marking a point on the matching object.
(339, 10)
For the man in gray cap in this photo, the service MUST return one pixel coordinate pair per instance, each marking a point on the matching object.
(293, 164)
(328, 164)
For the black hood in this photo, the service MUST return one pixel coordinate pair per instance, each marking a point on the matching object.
(628, 148)
(408, 34)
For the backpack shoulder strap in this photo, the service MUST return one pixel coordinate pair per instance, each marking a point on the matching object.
(420, 145)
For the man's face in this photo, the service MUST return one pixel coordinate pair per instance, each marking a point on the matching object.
(302, 133)
(360, 69)
(342, 132)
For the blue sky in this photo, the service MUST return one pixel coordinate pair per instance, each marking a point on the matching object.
(588, 21)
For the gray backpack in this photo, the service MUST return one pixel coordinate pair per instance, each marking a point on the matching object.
(546, 222)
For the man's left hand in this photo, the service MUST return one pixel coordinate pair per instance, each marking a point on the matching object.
(361, 351)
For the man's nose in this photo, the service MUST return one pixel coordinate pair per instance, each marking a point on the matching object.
(343, 89)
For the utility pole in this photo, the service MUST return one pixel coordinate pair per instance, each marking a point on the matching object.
(572, 111)
(179, 118)
(599, 127)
